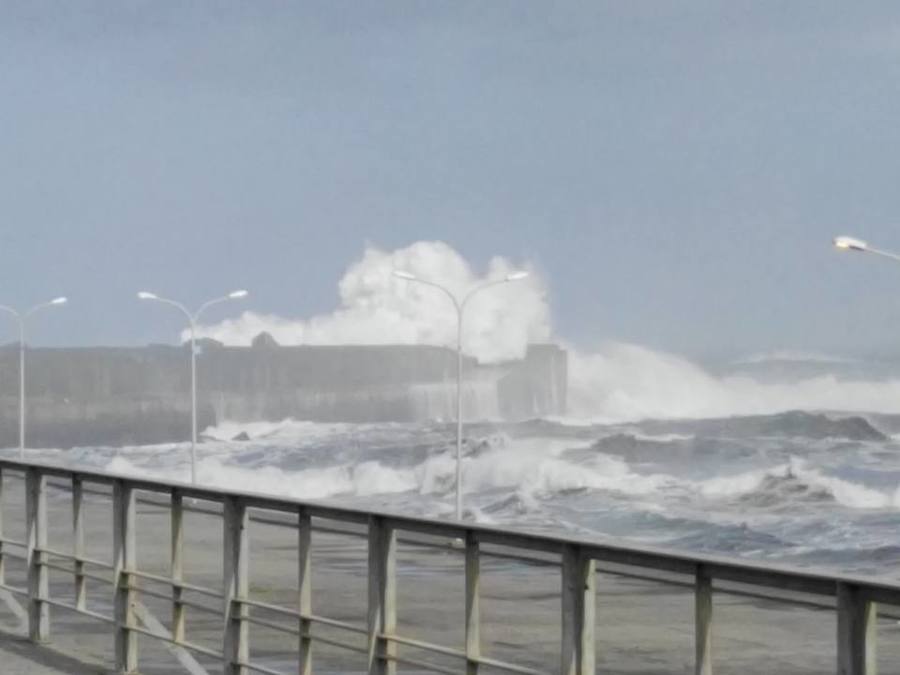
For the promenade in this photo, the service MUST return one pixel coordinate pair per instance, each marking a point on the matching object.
(648, 616)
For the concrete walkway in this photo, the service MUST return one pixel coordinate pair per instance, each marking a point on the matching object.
(18, 656)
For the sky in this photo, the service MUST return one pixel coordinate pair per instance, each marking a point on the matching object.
(673, 171)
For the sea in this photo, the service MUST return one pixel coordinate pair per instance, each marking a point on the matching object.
(803, 488)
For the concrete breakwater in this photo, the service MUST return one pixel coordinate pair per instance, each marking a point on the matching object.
(124, 395)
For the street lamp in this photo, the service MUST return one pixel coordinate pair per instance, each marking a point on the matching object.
(853, 244)
(20, 318)
(460, 305)
(192, 320)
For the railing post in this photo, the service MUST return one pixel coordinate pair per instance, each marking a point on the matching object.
(304, 550)
(856, 631)
(473, 603)
(177, 563)
(578, 611)
(36, 539)
(236, 577)
(2, 556)
(382, 597)
(124, 560)
(703, 620)
(78, 541)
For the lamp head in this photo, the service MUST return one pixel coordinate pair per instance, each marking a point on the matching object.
(517, 276)
(59, 301)
(850, 244)
(235, 295)
(145, 295)
(400, 274)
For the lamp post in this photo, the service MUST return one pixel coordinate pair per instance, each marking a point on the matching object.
(192, 321)
(20, 317)
(460, 305)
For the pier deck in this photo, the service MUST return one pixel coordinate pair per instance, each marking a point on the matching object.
(382, 593)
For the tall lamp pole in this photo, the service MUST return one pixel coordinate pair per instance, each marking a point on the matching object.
(20, 318)
(460, 305)
(192, 321)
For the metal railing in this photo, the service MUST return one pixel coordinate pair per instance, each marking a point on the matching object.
(854, 599)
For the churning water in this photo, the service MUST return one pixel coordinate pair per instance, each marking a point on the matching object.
(794, 487)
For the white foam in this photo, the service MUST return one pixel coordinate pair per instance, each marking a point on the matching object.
(377, 308)
(623, 383)
(846, 493)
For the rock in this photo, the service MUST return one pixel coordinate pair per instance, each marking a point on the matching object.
(243, 436)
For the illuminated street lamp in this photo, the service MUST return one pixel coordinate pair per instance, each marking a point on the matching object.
(192, 320)
(20, 318)
(852, 244)
(460, 305)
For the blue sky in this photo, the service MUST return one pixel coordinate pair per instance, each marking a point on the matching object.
(675, 170)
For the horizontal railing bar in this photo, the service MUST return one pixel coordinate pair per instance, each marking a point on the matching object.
(427, 646)
(884, 596)
(451, 530)
(54, 566)
(408, 661)
(180, 643)
(338, 644)
(76, 558)
(645, 577)
(284, 611)
(73, 608)
(12, 542)
(97, 577)
(456, 653)
(797, 602)
(816, 582)
(501, 665)
(176, 583)
(538, 562)
(186, 603)
(334, 530)
(273, 626)
(69, 570)
(259, 669)
(14, 589)
(197, 606)
(151, 593)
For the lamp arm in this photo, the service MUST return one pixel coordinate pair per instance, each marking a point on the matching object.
(883, 254)
(206, 305)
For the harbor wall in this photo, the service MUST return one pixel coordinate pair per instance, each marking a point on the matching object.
(124, 395)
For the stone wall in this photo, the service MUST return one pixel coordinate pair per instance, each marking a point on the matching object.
(115, 395)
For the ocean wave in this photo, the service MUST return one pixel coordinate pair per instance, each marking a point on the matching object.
(796, 482)
(625, 383)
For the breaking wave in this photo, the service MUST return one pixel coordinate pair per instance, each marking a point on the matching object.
(622, 382)
(796, 482)
(522, 472)
(614, 383)
(377, 308)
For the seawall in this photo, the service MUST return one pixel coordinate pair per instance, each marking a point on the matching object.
(123, 395)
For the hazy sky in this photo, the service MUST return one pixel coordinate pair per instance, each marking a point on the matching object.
(675, 169)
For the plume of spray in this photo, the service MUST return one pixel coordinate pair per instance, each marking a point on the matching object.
(622, 382)
(378, 308)
(614, 383)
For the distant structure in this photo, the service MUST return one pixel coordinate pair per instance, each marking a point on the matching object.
(124, 395)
